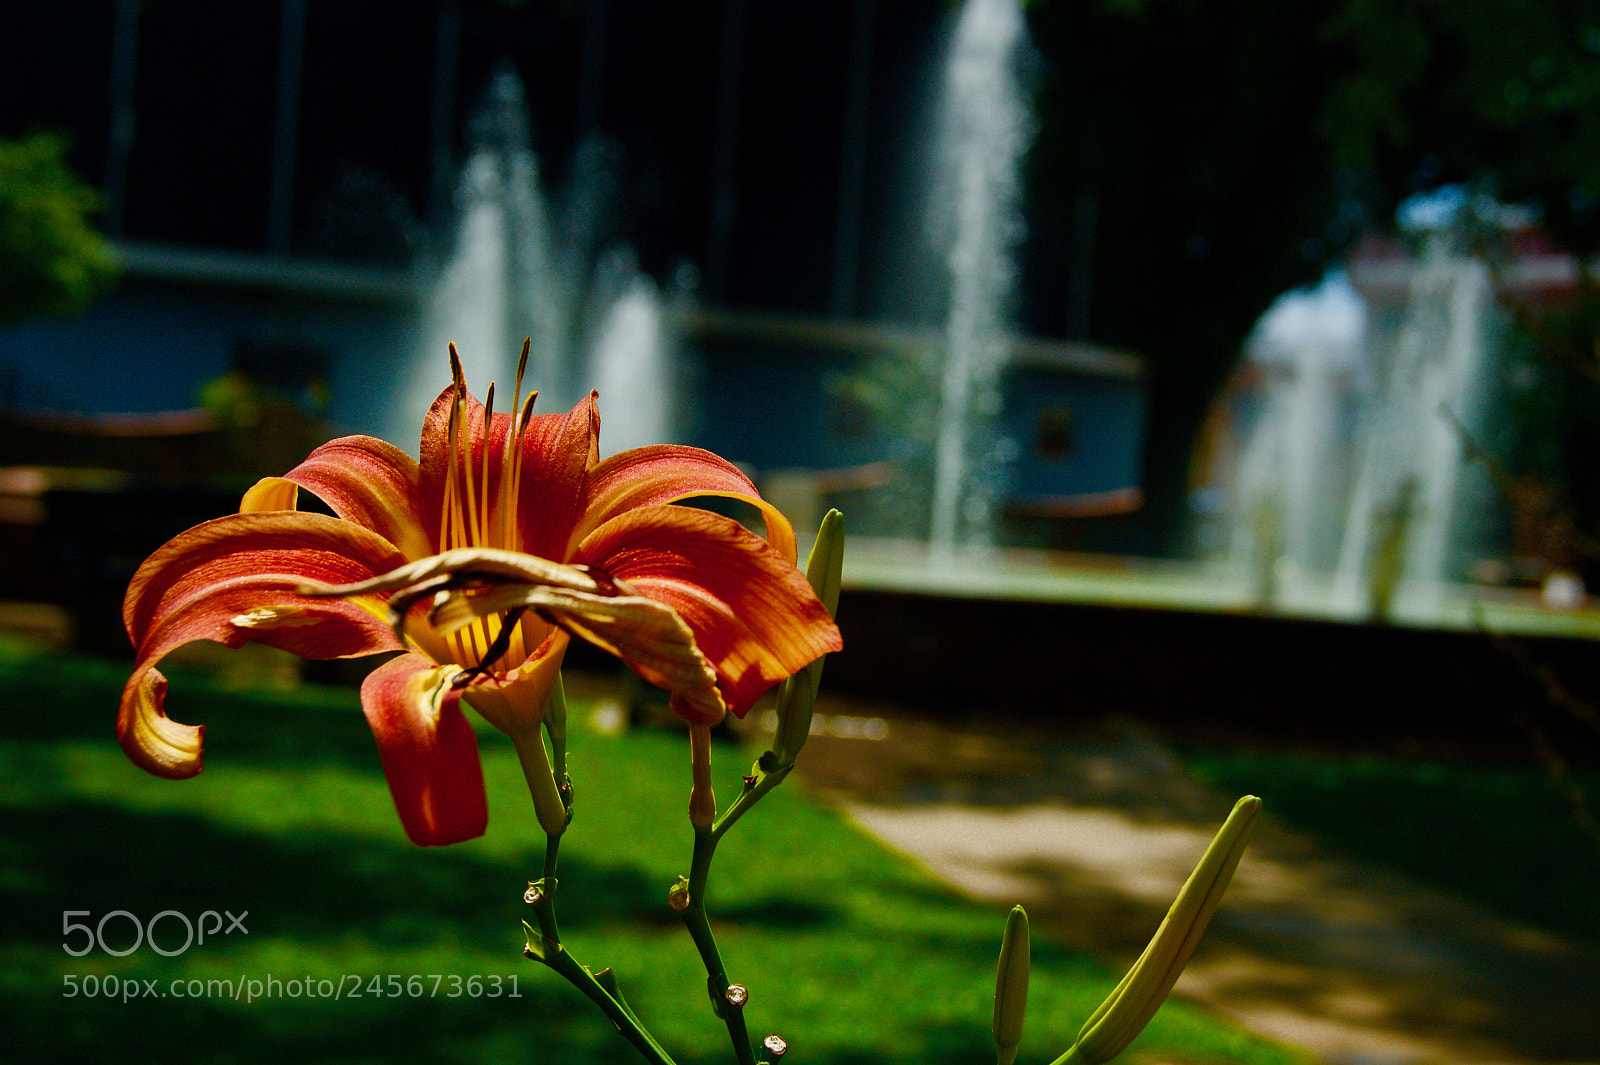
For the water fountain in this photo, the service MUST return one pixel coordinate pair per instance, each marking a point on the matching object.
(521, 268)
(984, 129)
(1352, 497)
(1410, 518)
(943, 394)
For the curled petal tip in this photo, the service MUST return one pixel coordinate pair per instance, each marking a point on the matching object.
(153, 741)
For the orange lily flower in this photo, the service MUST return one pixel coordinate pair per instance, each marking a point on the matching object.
(691, 600)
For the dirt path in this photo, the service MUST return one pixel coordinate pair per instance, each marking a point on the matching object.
(1094, 833)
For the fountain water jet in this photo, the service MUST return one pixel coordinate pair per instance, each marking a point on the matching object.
(984, 129)
(520, 269)
(631, 365)
(1352, 497)
(1408, 518)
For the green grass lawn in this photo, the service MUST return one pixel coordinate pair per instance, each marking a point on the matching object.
(849, 951)
(1499, 835)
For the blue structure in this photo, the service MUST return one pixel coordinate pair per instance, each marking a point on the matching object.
(181, 319)
(795, 400)
(792, 399)
(1077, 414)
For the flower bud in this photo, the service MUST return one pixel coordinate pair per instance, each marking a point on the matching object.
(797, 696)
(1123, 1015)
(1011, 987)
(825, 566)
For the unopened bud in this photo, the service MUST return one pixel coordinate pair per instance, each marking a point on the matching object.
(678, 894)
(535, 893)
(736, 995)
(1123, 1014)
(774, 1044)
(825, 566)
(1011, 986)
(797, 696)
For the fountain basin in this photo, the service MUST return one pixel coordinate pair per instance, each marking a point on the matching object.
(1074, 636)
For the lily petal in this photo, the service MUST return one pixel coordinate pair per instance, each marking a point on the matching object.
(156, 743)
(362, 479)
(469, 564)
(429, 753)
(555, 454)
(558, 450)
(667, 473)
(309, 548)
(753, 615)
(232, 581)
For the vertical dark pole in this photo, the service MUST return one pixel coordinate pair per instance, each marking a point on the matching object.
(853, 160)
(441, 122)
(724, 201)
(124, 57)
(286, 126)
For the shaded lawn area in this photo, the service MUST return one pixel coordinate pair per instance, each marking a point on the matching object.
(850, 952)
(1501, 835)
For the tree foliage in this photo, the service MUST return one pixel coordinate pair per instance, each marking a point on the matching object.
(1505, 93)
(52, 261)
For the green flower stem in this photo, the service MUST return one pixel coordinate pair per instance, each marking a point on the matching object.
(602, 992)
(694, 918)
(619, 1014)
(544, 907)
(607, 979)
(764, 781)
(555, 723)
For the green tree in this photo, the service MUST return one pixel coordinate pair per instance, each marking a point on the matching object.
(1505, 93)
(52, 261)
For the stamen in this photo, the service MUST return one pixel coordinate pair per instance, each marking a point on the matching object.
(459, 494)
(457, 378)
(522, 365)
(523, 418)
(448, 534)
(484, 533)
(469, 502)
(490, 521)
